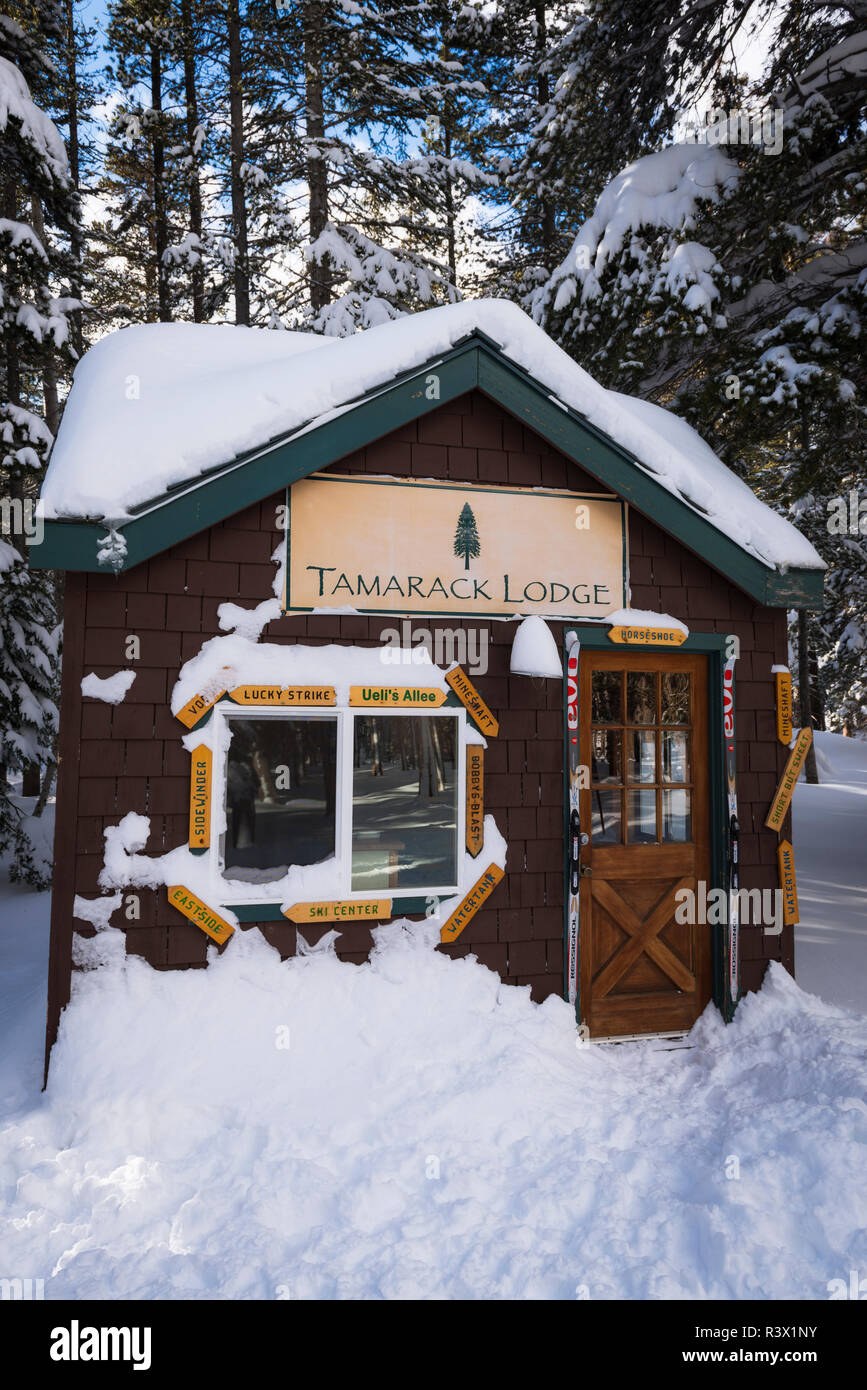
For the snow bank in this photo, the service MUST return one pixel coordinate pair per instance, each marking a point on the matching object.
(412, 1128)
(829, 819)
(157, 405)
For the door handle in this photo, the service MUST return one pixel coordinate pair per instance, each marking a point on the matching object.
(585, 870)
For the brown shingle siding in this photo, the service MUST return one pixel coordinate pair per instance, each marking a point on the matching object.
(132, 758)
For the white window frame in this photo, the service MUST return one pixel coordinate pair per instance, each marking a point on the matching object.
(236, 891)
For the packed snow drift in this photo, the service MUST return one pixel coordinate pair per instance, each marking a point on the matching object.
(413, 1128)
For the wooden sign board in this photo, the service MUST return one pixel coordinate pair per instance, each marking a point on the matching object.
(784, 707)
(452, 548)
(200, 798)
(194, 709)
(648, 636)
(358, 910)
(475, 798)
(397, 696)
(780, 803)
(470, 697)
(199, 913)
(788, 882)
(478, 894)
(284, 695)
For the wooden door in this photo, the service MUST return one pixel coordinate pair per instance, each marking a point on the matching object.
(644, 739)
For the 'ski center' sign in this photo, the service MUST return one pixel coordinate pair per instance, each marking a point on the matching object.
(382, 546)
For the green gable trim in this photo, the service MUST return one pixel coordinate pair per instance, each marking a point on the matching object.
(576, 437)
(476, 363)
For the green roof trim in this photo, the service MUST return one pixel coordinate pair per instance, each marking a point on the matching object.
(477, 362)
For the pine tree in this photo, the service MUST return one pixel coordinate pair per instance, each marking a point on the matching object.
(728, 280)
(523, 52)
(38, 230)
(141, 184)
(375, 113)
(467, 544)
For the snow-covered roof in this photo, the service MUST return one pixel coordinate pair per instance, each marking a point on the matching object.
(160, 405)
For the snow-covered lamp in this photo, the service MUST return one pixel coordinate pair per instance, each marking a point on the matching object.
(534, 651)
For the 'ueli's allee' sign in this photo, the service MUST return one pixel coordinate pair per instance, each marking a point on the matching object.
(384, 546)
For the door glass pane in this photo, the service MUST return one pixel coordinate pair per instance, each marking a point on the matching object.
(605, 828)
(606, 765)
(641, 755)
(640, 697)
(280, 796)
(607, 697)
(641, 816)
(675, 756)
(675, 697)
(404, 802)
(676, 816)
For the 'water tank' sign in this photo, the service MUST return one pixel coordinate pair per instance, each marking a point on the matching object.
(383, 546)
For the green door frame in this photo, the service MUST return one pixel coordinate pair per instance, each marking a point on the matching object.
(713, 646)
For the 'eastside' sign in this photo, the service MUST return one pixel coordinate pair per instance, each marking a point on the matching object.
(384, 546)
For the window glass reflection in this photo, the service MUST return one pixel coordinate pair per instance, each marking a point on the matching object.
(280, 796)
(405, 803)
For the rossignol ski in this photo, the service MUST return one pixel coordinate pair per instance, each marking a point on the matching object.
(573, 649)
(732, 801)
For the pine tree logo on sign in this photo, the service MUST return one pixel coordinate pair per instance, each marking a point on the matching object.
(467, 544)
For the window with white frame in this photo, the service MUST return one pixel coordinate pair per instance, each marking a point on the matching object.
(381, 794)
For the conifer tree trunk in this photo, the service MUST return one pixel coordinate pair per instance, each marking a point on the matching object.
(74, 163)
(317, 174)
(197, 285)
(161, 239)
(72, 93)
(239, 203)
(450, 198)
(543, 93)
(49, 370)
(804, 702)
(13, 374)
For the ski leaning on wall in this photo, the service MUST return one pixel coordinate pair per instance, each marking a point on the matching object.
(733, 924)
(573, 871)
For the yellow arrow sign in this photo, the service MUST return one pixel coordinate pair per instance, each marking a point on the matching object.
(469, 696)
(788, 882)
(195, 708)
(780, 803)
(351, 910)
(784, 707)
(475, 833)
(648, 636)
(200, 798)
(198, 912)
(398, 696)
(284, 695)
(480, 891)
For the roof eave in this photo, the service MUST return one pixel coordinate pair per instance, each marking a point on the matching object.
(476, 362)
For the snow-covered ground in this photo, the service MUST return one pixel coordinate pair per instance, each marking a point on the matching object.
(830, 839)
(412, 1128)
